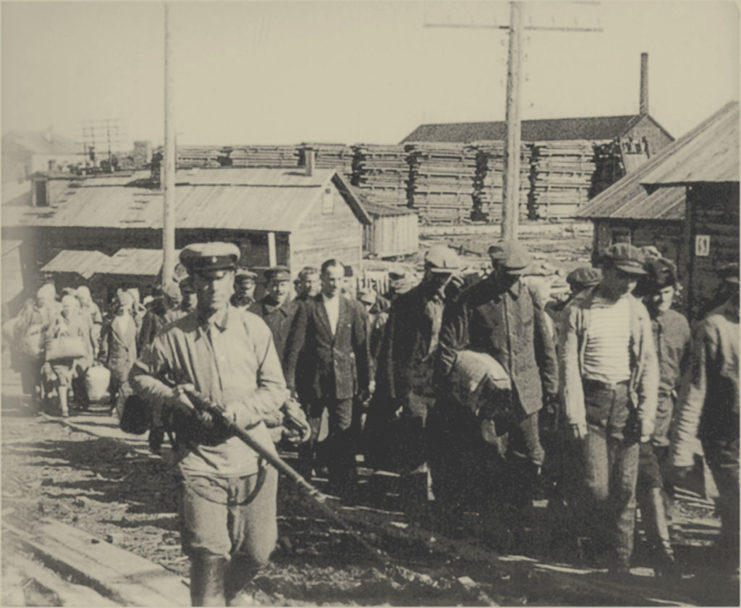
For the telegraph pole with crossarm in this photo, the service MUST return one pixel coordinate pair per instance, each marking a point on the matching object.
(513, 134)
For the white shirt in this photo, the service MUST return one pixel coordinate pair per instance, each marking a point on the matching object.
(607, 349)
(332, 306)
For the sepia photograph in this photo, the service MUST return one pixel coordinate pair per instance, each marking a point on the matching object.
(369, 303)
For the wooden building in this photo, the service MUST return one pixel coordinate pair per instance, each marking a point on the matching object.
(393, 231)
(276, 216)
(708, 168)
(684, 201)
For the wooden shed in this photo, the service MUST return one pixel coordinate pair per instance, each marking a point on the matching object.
(684, 201)
(275, 216)
(393, 231)
(708, 168)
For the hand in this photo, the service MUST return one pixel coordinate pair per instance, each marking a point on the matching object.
(181, 402)
(457, 281)
(371, 387)
(578, 431)
(647, 429)
(550, 402)
(246, 417)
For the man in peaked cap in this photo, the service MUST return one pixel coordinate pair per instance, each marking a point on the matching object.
(610, 385)
(708, 409)
(404, 391)
(503, 317)
(244, 288)
(671, 334)
(228, 493)
(286, 319)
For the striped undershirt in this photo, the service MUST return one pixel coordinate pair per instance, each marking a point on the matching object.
(606, 352)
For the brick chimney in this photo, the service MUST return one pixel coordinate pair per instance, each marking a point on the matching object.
(643, 106)
(309, 161)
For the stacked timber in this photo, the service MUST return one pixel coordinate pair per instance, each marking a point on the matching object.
(381, 172)
(188, 157)
(329, 156)
(608, 166)
(488, 193)
(441, 181)
(561, 177)
(274, 157)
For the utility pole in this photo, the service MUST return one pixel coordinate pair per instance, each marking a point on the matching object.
(511, 177)
(513, 137)
(167, 182)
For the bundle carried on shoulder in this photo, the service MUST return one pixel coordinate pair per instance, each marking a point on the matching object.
(479, 383)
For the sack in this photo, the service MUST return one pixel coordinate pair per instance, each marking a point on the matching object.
(97, 380)
(32, 343)
(133, 413)
(65, 347)
(478, 381)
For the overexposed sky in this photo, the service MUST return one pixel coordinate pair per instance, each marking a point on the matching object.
(286, 72)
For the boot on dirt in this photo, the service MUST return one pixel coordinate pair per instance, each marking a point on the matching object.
(240, 571)
(207, 575)
(657, 531)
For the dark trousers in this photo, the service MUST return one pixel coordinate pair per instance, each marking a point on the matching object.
(611, 455)
(341, 442)
(722, 458)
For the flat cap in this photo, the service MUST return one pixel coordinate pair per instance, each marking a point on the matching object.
(625, 257)
(243, 274)
(584, 276)
(279, 273)
(661, 273)
(209, 256)
(511, 255)
(729, 272)
(442, 259)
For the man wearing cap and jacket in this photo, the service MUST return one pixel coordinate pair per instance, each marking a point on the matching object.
(672, 338)
(610, 384)
(502, 317)
(404, 388)
(333, 374)
(244, 289)
(285, 318)
(227, 493)
(708, 408)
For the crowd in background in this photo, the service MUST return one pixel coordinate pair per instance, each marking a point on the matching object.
(478, 390)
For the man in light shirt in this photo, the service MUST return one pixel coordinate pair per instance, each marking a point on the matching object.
(610, 384)
(334, 374)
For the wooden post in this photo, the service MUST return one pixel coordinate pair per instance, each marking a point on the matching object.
(511, 181)
(272, 258)
(168, 163)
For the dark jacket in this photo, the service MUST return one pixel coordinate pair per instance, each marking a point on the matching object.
(288, 325)
(510, 325)
(333, 366)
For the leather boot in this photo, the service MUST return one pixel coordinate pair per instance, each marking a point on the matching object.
(657, 528)
(240, 572)
(207, 574)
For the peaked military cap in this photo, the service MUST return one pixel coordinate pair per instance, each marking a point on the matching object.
(243, 274)
(661, 273)
(511, 255)
(279, 273)
(442, 259)
(209, 256)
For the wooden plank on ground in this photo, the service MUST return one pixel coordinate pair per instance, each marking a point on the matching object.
(118, 574)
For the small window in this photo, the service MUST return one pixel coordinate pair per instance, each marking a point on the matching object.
(621, 236)
(328, 197)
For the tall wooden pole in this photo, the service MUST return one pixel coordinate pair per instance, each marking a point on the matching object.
(511, 183)
(168, 164)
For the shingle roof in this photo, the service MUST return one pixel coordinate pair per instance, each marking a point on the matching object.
(628, 198)
(594, 128)
(712, 155)
(146, 262)
(84, 262)
(244, 199)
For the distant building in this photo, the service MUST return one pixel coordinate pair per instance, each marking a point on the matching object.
(27, 152)
(275, 216)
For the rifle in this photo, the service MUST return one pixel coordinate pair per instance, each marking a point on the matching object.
(203, 405)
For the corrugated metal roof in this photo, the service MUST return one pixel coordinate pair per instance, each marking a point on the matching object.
(276, 178)
(709, 142)
(136, 261)
(278, 204)
(379, 209)
(710, 155)
(593, 128)
(84, 262)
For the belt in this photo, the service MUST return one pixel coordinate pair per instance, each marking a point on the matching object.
(588, 383)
